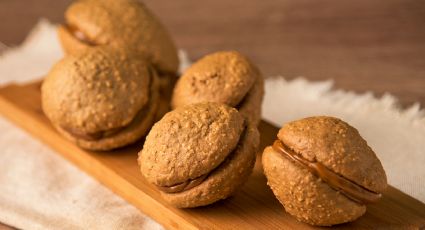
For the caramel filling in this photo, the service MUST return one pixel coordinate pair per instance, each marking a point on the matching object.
(79, 35)
(183, 186)
(191, 183)
(93, 136)
(109, 132)
(350, 189)
(140, 115)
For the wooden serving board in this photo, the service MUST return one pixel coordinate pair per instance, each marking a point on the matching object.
(252, 207)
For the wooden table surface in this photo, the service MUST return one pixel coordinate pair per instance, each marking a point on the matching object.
(362, 45)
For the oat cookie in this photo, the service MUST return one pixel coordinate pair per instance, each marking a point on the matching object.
(224, 77)
(101, 98)
(323, 171)
(199, 154)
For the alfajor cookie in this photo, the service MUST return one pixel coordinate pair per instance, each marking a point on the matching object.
(323, 171)
(125, 24)
(101, 98)
(199, 154)
(224, 77)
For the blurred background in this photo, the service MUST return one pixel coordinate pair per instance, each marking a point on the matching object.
(362, 45)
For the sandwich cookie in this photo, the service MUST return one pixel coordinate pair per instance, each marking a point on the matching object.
(101, 98)
(224, 77)
(125, 24)
(199, 154)
(322, 171)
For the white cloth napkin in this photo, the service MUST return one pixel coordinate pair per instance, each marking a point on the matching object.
(41, 190)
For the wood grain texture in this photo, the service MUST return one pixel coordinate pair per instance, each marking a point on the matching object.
(253, 207)
(362, 45)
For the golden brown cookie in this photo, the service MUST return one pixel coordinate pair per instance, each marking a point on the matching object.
(224, 77)
(199, 154)
(125, 24)
(323, 171)
(101, 98)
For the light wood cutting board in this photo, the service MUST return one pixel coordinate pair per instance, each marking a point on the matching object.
(252, 207)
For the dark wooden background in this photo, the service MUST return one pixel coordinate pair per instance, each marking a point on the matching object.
(362, 45)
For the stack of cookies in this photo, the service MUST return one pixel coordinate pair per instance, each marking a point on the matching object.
(109, 88)
(117, 79)
(118, 82)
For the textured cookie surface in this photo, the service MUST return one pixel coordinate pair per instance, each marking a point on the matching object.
(99, 89)
(120, 23)
(338, 146)
(189, 142)
(136, 129)
(223, 77)
(304, 195)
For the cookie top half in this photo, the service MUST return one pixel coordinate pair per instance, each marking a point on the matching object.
(338, 146)
(98, 89)
(189, 142)
(223, 77)
(124, 23)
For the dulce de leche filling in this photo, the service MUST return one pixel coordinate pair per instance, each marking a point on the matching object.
(94, 136)
(79, 35)
(184, 186)
(109, 132)
(348, 188)
(140, 115)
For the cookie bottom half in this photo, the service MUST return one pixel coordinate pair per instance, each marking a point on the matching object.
(306, 196)
(224, 180)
